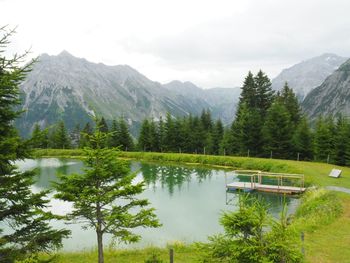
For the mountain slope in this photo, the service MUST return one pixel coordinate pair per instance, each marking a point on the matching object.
(221, 101)
(73, 89)
(332, 97)
(309, 74)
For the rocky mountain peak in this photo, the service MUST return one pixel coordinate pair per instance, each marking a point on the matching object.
(308, 74)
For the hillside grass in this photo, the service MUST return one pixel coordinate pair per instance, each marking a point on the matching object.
(324, 216)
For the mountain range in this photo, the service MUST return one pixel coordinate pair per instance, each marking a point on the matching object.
(332, 96)
(309, 74)
(72, 89)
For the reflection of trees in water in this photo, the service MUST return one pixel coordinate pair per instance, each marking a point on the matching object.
(203, 174)
(171, 176)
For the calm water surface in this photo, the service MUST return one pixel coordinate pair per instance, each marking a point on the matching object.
(188, 200)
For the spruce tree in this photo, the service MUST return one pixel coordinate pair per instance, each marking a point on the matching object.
(288, 98)
(60, 138)
(115, 135)
(248, 93)
(24, 225)
(217, 136)
(264, 93)
(87, 130)
(341, 144)
(277, 131)
(104, 197)
(125, 139)
(303, 141)
(144, 143)
(324, 139)
(103, 126)
(39, 137)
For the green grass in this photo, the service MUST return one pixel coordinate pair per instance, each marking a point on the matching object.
(315, 173)
(324, 216)
(182, 253)
(330, 242)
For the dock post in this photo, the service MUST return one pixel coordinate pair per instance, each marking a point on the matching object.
(171, 255)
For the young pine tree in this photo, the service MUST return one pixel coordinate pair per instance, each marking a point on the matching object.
(104, 197)
(24, 226)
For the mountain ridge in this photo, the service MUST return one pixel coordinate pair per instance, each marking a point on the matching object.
(308, 74)
(71, 89)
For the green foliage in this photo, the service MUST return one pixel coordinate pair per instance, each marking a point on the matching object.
(104, 196)
(318, 207)
(120, 135)
(252, 235)
(278, 131)
(24, 225)
(302, 141)
(324, 139)
(59, 138)
(288, 98)
(40, 138)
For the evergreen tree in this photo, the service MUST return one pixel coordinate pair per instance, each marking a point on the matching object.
(115, 135)
(24, 225)
(104, 196)
(248, 93)
(170, 134)
(75, 136)
(144, 142)
(277, 131)
(60, 138)
(302, 141)
(206, 120)
(87, 130)
(39, 137)
(153, 137)
(125, 140)
(264, 93)
(161, 134)
(102, 125)
(217, 136)
(324, 139)
(288, 98)
(341, 147)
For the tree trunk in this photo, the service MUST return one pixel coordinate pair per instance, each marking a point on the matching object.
(100, 246)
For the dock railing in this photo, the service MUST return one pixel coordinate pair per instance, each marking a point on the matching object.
(256, 178)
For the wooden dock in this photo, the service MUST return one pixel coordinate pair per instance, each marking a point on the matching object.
(256, 183)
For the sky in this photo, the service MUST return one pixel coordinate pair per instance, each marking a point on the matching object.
(210, 43)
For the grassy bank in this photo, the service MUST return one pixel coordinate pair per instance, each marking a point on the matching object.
(324, 216)
(315, 173)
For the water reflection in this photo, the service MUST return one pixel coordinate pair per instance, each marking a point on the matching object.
(171, 176)
(188, 200)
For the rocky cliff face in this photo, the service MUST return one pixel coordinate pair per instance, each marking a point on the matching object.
(73, 89)
(332, 96)
(309, 74)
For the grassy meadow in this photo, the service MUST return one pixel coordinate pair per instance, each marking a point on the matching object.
(324, 216)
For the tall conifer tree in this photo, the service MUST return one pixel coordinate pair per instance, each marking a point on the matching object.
(24, 225)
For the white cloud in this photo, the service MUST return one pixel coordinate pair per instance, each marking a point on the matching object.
(211, 43)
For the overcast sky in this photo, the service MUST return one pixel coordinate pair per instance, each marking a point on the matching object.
(210, 43)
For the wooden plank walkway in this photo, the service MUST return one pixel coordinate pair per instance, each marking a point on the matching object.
(256, 182)
(248, 187)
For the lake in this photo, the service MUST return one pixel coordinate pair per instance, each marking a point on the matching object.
(188, 200)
